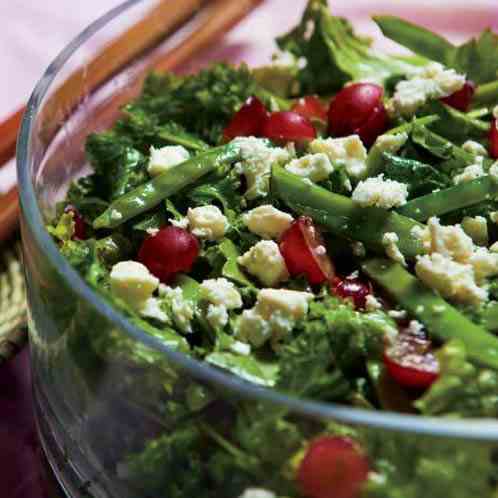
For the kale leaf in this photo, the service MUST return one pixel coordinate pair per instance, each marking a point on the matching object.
(202, 103)
(333, 53)
(420, 178)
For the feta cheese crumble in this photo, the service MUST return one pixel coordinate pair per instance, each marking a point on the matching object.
(348, 152)
(265, 262)
(217, 316)
(477, 228)
(391, 143)
(133, 283)
(455, 267)
(220, 291)
(316, 167)
(273, 316)
(471, 172)
(207, 222)
(380, 193)
(152, 309)
(258, 157)
(372, 303)
(182, 309)
(257, 493)
(267, 221)
(433, 81)
(475, 148)
(390, 241)
(451, 279)
(163, 159)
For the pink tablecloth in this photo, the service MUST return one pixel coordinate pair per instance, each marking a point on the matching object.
(32, 34)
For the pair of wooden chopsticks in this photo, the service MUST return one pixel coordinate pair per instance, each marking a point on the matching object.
(219, 16)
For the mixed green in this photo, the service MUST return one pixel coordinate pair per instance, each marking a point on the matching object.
(326, 226)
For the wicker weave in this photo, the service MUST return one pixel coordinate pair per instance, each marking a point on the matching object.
(13, 309)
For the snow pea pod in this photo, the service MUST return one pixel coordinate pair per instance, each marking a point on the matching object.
(443, 321)
(150, 194)
(450, 199)
(342, 216)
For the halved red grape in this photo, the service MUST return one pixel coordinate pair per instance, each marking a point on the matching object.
(354, 288)
(310, 107)
(410, 361)
(79, 223)
(358, 109)
(462, 98)
(248, 120)
(170, 251)
(304, 252)
(333, 467)
(493, 139)
(288, 126)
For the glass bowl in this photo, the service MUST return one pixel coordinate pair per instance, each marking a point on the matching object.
(105, 390)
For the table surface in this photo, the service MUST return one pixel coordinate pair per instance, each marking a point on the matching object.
(34, 34)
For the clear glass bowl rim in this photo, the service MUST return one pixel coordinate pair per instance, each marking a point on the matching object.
(476, 429)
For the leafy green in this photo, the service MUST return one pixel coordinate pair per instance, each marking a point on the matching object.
(456, 126)
(64, 229)
(246, 367)
(118, 167)
(202, 103)
(420, 178)
(334, 55)
(462, 389)
(477, 58)
(171, 465)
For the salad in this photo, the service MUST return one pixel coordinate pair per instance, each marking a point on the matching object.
(326, 226)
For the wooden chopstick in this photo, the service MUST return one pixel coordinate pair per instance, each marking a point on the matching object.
(221, 16)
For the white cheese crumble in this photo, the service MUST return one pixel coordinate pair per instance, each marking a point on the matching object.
(258, 157)
(267, 221)
(433, 81)
(397, 314)
(391, 143)
(456, 267)
(390, 241)
(220, 291)
(133, 283)
(415, 327)
(477, 228)
(495, 112)
(372, 303)
(451, 279)
(181, 308)
(273, 316)
(152, 309)
(217, 316)
(493, 216)
(493, 171)
(473, 147)
(423, 235)
(207, 222)
(265, 262)
(494, 248)
(348, 152)
(163, 159)
(315, 167)
(471, 172)
(241, 348)
(380, 193)
(257, 493)
(181, 223)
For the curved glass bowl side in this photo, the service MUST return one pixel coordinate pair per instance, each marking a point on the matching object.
(106, 391)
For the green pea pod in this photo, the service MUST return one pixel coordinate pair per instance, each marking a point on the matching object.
(342, 216)
(150, 194)
(450, 199)
(442, 320)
